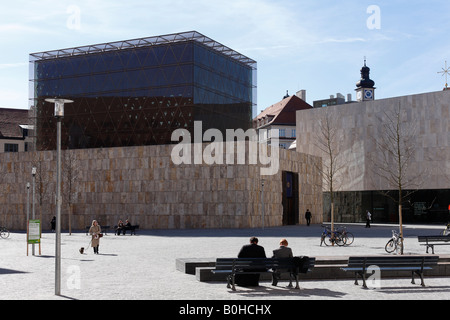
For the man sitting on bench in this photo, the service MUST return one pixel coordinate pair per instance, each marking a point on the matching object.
(127, 226)
(120, 228)
(252, 250)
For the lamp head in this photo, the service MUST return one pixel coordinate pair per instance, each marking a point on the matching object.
(59, 106)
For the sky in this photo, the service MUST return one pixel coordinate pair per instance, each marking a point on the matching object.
(316, 45)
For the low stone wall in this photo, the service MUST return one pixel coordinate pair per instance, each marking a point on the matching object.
(142, 184)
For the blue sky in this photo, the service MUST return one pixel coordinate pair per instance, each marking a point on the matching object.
(318, 45)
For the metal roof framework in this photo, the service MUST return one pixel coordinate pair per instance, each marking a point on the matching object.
(145, 42)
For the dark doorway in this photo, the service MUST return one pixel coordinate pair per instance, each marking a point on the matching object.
(290, 198)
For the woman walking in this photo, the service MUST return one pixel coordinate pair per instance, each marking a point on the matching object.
(95, 232)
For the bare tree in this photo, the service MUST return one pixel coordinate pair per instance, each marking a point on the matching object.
(327, 141)
(43, 179)
(71, 170)
(393, 158)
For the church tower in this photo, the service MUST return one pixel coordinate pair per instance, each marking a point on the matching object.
(365, 90)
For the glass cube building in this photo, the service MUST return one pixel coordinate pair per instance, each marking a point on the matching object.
(137, 92)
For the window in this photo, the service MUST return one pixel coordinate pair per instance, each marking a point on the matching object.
(293, 133)
(282, 132)
(11, 147)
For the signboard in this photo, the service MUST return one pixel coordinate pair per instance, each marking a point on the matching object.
(420, 208)
(289, 184)
(34, 231)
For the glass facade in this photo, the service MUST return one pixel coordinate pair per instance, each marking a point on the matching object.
(137, 92)
(421, 206)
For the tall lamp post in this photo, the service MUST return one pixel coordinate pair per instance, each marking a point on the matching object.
(28, 201)
(33, 209)
(59, 114)
(262, 202)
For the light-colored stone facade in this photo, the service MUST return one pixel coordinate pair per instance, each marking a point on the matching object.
(142, 184)
(358, 124)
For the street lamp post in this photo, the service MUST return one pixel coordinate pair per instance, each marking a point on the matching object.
(33, 209)
(59, 114)
(28, 202)
(262, 202)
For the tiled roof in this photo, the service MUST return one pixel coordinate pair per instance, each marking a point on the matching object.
(283, 112)
(10, 121)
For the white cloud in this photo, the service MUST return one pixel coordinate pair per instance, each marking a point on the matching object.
(12, 65)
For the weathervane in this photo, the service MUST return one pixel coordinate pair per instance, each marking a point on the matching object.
(445, 72)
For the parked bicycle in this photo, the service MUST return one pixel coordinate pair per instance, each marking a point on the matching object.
(4, 233)
(446, 231)
(348, 236)
(394, 244)
(331, 237)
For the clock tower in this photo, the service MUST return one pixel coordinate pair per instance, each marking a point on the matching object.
(365, 90)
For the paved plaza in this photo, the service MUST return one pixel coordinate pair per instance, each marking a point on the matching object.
(143, 267)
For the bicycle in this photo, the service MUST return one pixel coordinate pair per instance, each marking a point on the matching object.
(348, 236)
(394, 244)
(446, 231)
(330, 237)
(4, 233)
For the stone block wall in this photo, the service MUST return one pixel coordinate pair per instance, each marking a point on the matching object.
(142, 184)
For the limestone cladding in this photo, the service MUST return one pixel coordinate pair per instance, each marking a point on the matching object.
(358, 125)
(142, 184)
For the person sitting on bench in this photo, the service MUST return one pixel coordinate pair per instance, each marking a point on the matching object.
(252, 250)
(127, 226)
(120, 227)
(283, 252)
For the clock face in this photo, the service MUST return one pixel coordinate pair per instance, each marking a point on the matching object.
(368, 94)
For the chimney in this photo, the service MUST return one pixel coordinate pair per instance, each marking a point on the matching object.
(301, 94)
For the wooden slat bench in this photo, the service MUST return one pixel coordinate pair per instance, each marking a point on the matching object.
(431, 241)
(233, 266)
(132, 229)
(414, 264)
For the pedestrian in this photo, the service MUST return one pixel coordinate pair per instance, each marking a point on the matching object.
(282, 252)
(96, 232)
(252, 250)
(53, 223)
(308, 217)
(368, 219)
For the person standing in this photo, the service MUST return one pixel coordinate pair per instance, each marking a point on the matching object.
(282, 252)
(308, 217)
(252, 250)
(95, 232)
(53, 224)
(368, 219)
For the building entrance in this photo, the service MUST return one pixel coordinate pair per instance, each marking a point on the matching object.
(290, 198)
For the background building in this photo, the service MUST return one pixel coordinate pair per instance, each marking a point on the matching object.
(358, 126)
(14, 130)
(143, 185)
(281, 116)
(136, 92)
(332, 101)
